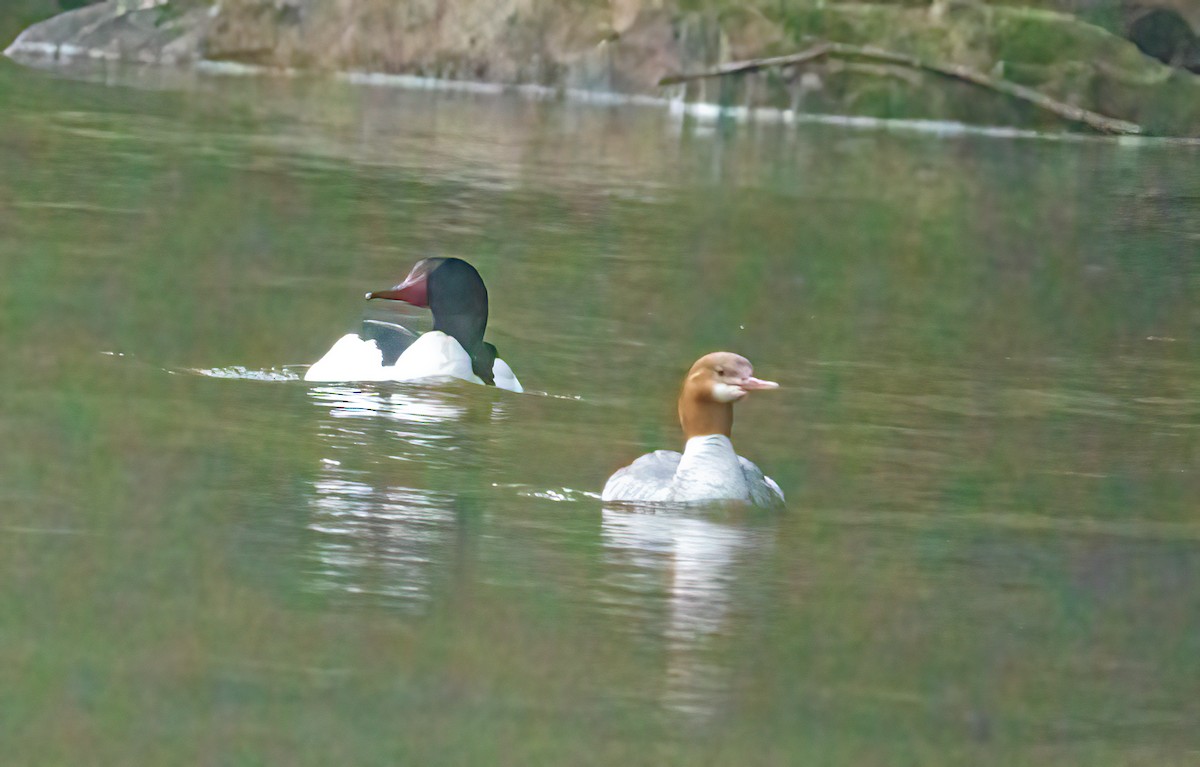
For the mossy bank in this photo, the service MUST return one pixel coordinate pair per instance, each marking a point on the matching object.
(627, 46)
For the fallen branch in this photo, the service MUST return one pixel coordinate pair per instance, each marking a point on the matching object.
(1066, 111)
(738, 67)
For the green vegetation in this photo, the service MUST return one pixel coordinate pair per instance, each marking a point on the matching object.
(630, 45)
(19, 14)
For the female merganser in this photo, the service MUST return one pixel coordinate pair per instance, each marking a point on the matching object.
(454, 292)
(708, 469)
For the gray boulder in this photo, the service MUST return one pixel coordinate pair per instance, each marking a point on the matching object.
(146, 31)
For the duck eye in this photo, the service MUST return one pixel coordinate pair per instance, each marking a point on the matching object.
(720, 371)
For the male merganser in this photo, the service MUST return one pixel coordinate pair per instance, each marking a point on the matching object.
(454, 292)
(708, 469)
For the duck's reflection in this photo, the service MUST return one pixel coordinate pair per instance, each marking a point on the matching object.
(412, 405)
(674, 570)
(395, 489)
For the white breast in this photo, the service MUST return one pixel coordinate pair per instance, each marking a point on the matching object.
(433, 355)
(707, 470)
(710, 469)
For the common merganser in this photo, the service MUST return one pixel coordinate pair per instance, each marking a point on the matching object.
(454, 292)
(708, 469)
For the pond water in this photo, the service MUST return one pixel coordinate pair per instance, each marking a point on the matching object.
(988, 431)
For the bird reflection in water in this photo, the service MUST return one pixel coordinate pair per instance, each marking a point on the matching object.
(672, 571)
(398, 490)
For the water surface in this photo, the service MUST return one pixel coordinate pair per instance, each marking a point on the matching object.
(987, 431)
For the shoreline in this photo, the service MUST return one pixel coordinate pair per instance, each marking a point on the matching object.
(876, 66)
(60, 58)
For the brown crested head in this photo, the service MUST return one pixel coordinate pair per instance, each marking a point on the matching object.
(714, 383)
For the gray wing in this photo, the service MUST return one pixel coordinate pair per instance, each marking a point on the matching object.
(646, 479)
(763, 490)
(392, 339)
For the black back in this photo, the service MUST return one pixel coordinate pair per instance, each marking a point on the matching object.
(392, 339)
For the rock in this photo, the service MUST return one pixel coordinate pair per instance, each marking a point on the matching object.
(146, 31)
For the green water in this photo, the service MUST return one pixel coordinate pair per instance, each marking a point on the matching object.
(988, 431)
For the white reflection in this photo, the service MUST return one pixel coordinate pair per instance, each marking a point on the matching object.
(418, 405)
(687, 563)
(386, 515)
(384, 543)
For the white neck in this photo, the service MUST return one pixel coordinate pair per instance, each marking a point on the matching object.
(710, 470)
